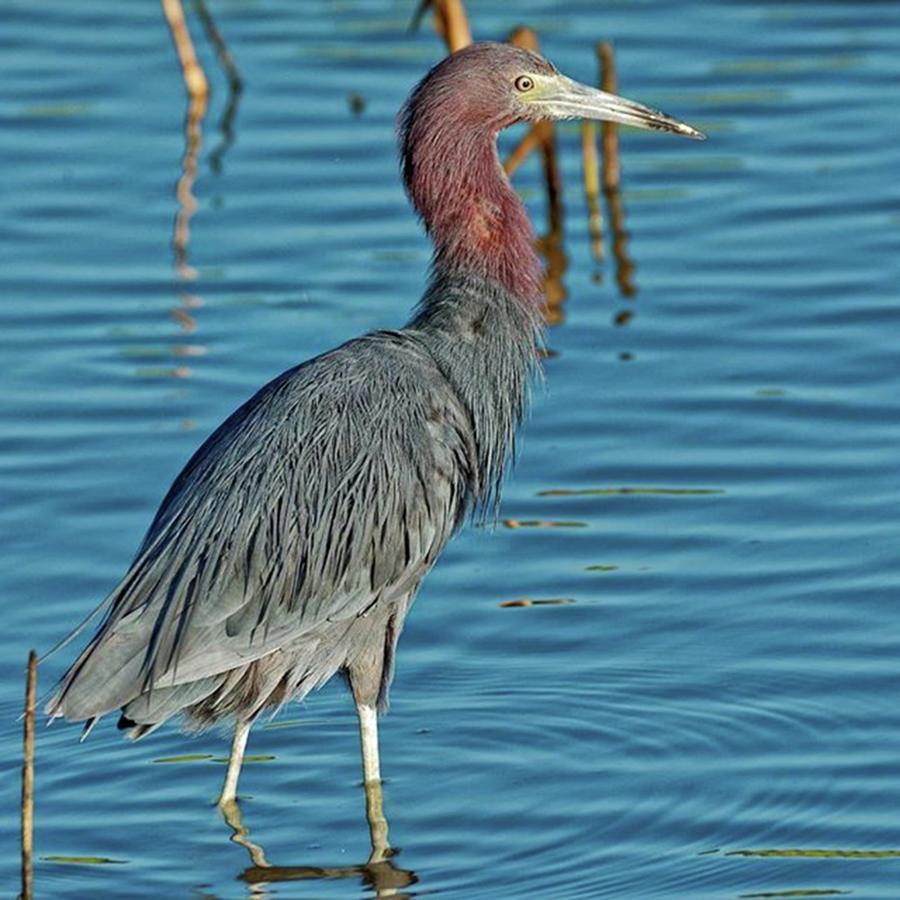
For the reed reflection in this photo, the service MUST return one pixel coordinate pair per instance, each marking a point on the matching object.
(235, 85)
(551, 245)
(378, 874)
(197, 87)
(612, 192)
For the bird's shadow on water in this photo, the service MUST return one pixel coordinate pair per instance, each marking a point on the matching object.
(379, 875)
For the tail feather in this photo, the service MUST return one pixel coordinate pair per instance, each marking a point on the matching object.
(88, 727)
(154, 706)
(135, 731)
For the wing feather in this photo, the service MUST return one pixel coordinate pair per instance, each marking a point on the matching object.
(335, 487)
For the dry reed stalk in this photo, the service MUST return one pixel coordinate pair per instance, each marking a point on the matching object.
(194, 76)
(515, 159)
(543, 135)
(28, 780)
(609, 83)
(198, 95)
(452, 23)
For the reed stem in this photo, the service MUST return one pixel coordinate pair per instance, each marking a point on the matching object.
(28, 780)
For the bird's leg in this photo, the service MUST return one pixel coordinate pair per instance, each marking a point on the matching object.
(229, 788)
(368, 738)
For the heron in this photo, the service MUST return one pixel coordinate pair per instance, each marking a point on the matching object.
(291, 546)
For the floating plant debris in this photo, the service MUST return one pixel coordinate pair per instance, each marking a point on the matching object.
(258, 758)
(163, 372)
(357, 103)
(56, 110)
(527, 601)
(770, 392)
(187, 758)
(820, 854)
(611, 492)
(541, 523)
(85, 860)
(799, 892)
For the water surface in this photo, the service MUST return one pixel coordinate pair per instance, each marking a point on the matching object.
(719, 697)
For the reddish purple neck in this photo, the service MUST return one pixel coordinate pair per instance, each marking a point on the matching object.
(475, 219)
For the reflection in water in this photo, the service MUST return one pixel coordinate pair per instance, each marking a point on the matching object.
(591, 173)
(611, 182)
(226, 127)
(625, 268)
(197, 87)
(550, 245)
(379, 873)
(198, 93)
(235, 85)
(378, 824)
(187, 205)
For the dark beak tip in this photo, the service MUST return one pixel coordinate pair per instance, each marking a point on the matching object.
(689, 131)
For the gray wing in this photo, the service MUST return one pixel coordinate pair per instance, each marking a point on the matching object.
(334, 488)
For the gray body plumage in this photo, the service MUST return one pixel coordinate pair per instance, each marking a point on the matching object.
(292, 544)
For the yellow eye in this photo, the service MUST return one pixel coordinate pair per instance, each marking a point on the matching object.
(524, 83)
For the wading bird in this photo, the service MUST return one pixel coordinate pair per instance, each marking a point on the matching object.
(291, 546)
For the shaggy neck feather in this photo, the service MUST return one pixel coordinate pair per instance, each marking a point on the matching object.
(474, 217)
(482, 314)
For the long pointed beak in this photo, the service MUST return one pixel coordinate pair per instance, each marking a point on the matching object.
(572, 100)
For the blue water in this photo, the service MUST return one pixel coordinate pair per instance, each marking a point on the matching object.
(725, 681)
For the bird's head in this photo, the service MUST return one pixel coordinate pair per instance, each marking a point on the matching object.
(496, 85)
(449, 160)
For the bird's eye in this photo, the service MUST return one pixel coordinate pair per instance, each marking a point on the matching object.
(524, 83)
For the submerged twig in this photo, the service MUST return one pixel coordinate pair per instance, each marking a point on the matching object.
(28, 779)
(226, 60)
(235, 83)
